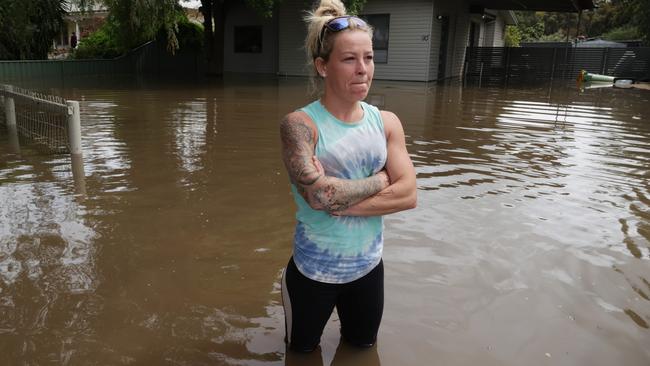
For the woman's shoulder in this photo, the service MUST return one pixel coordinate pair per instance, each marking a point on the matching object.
(297, 121)
(391, 121)
(389, 117)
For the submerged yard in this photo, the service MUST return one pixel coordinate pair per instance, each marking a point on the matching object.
(530, 243)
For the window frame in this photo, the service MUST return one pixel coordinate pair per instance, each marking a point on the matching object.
(384, 49)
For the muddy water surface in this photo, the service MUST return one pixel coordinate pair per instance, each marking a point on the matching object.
(530, 244)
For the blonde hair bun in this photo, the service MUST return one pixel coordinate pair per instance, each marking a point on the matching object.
(333, 8)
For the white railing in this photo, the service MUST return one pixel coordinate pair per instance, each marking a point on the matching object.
(49, 121)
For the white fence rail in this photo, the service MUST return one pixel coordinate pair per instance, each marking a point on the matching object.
(44, 119)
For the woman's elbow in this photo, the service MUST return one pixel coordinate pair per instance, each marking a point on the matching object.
(411, 200)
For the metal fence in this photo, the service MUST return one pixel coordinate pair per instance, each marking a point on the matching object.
(49, 121)
(504, 65)
(149, 59)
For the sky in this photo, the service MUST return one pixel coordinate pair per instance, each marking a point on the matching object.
(190, 3)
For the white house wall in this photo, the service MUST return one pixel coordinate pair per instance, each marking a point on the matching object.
(488, 38)
(292, 31)
(408, 45)
(264, 62)
(414, 38)
(458, 37)
(493, 32)
(409, 38)
(499, 35)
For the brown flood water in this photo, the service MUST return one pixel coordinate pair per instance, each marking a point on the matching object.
(530, 245)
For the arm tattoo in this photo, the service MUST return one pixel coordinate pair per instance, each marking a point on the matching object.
(332, 194)
(341, 194)
(297, 151)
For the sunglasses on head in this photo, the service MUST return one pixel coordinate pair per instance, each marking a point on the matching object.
(338, 24)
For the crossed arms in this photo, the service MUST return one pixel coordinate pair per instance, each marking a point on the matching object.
(391, 190)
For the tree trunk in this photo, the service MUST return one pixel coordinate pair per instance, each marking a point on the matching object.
(219, 12)
(208, 36)
(214, 14)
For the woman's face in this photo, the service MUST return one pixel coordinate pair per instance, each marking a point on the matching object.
(349, 70)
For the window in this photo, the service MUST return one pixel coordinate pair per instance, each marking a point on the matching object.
(380, 24)
(248, 39)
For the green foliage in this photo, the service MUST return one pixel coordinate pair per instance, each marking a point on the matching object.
(558, 36)
(354, 6)
(27, 27)
(190, 35)
(137, 22)
(99, 44)
(642, 19)
(624, 33)
(513, 36)
(262, 7)
(612, 19)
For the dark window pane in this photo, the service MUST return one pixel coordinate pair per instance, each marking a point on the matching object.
(381, 25)
(248, 39)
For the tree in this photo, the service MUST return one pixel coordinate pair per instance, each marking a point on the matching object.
(641, 19)
(27, 27)
(133, 23)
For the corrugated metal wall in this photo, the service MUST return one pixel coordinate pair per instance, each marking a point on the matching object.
(151, 58)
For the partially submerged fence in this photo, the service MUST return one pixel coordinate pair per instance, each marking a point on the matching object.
(50, 122)
(47, 120)
(504, 65)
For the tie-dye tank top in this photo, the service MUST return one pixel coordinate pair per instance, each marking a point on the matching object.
(341, 249)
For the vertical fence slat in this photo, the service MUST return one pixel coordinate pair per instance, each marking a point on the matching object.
(499, 66)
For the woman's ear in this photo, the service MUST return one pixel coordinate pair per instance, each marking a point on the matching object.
(321, 66)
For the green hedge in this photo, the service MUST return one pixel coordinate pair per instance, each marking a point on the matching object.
(102, 43)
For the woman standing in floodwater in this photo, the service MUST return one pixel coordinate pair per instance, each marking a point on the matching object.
(348, 166)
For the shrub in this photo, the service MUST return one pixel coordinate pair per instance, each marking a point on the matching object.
(624, 33)
(99, 44)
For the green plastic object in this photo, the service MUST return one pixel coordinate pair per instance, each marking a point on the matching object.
(587, 77)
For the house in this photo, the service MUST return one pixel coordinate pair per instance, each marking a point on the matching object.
(415, 40)
(82, 23)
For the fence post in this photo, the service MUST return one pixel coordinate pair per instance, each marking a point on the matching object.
(74, 135)
(553, 64)
(603, 69)
(508, 55)
(480, 76)
(10, 108)
(74, 127)
(10, 120)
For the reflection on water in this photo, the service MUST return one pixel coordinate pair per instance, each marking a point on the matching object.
(530, 243)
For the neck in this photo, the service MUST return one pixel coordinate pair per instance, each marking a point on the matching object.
(343, 110)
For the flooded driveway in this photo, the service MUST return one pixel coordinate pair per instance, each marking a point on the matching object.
(530, 244)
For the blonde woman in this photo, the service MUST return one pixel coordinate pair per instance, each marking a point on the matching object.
(348, 166)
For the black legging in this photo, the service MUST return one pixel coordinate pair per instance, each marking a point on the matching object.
(308, 305)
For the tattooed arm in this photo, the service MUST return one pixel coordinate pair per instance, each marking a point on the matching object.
(321, 192)
(402, 193)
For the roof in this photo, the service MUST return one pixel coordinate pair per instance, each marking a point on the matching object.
(535, 5)
(71, 7)
(601, 43)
